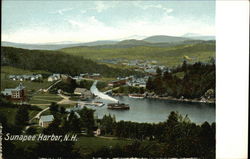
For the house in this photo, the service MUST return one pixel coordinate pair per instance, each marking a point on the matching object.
(117, 83)
(45, 120)
(84, 93)
(84, 75)
(17, 93)
(150, 71)
(54, 77)
(95, 76)
(51, 79)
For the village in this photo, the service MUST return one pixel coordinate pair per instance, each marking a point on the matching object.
(146, 66)
(21, 95)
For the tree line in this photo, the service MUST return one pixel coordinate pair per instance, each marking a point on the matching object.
(197, 79)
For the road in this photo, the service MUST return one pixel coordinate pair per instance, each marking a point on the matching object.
(65, 100)
(46, 90)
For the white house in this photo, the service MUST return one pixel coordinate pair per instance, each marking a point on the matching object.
(45, 120)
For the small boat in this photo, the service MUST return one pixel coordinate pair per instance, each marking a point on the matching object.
(99, 104)
(139, 96)
(118, 106)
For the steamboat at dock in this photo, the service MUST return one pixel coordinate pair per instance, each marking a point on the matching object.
(118, 106)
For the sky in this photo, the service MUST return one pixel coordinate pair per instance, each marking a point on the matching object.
(85, 21)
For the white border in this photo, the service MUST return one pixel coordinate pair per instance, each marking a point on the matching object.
(232, 62)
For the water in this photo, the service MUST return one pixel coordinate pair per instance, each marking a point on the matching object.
(155, 110)
(101, 95)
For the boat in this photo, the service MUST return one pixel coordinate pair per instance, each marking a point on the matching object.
(118, 106)
(99, 104)
(139, 96)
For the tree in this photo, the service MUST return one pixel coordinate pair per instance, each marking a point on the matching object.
(159, 71)
(184, 65)
(62, 110)
(74, 122)
(107, 124)
(53, 107)
(87, 120)
(22, 116)
(149, 84)
(31, 131)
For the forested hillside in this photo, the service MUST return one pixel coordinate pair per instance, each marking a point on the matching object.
(169, 56)
(187, 81)
(56, 62)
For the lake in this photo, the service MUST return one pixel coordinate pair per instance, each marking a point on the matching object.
(157, 110)
(152, 110)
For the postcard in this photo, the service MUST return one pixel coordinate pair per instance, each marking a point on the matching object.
(108, 79)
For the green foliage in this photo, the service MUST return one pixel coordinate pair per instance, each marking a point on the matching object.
(87, 120)
(54, 107)
(100, 85)
(31, 131)
(197, 79)
(86, 84)
(22, 116)
(176, 137)
(74, 123)
(56, 62)
(107, 124)
(169, 56)
(129, 90)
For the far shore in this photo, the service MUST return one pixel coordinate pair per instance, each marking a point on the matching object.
(206, 101)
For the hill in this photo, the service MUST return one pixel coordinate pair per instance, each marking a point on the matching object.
(133, 42)
(157, 41)
(169, 56)
(54, 46)
(56, 62)
(165, 39)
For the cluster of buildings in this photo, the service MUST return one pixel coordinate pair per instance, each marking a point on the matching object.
(46, 120)
(54, 77)
(16, 94)
(89, 75)
(57, 76)
(148, 66)
(25, 77)
(130, 81)
(83, 93)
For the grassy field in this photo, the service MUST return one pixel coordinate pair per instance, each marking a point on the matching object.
(90, 144)
(169, 56)
(16, 71)
(44, 98)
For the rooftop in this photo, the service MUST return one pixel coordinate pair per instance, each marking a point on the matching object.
(47, 118)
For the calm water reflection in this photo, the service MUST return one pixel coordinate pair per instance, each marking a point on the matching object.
(156, 110)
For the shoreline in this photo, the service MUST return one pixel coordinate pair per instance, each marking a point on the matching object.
(174, 99)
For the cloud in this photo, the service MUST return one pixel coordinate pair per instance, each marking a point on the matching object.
(101, 6)
(61, 11)
(150, 6)
(92, 29)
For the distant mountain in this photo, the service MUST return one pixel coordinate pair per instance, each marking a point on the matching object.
(54, 46)
(133, 42)
(165, 39)
(96, 43)
(154, 41)
(203, 38)
(137, 37)
(195, 36)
